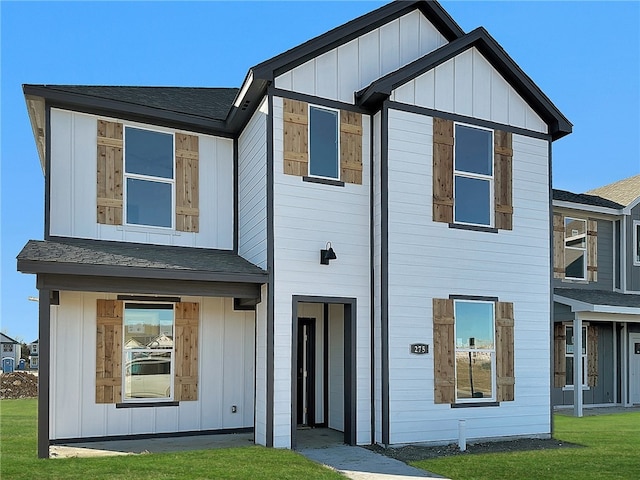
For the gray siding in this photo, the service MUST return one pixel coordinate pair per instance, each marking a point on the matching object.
(604, 391)
(633, 272)
(605, 262)
(616, 254)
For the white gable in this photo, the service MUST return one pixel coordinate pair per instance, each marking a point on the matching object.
(339, 73)
(468, 85)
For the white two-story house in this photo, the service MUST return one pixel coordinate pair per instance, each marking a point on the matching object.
(357, 238)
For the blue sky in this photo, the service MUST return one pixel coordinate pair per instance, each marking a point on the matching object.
(584, 55)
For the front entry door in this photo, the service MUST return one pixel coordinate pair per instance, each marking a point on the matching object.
(634, 368)
(306, 374)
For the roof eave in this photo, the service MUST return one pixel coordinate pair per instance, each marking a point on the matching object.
(586, 207)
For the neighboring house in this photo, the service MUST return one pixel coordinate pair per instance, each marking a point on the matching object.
(10, 353)
(33, 355)
(333, 244)
(597, 292)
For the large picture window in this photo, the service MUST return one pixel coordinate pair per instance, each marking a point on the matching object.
(148, 353)
(149, 177)
(475, 350)
(324, 152)
(473, 175)
(575, 248)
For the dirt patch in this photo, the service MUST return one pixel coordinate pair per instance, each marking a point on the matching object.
(412, 453)
(18, 385)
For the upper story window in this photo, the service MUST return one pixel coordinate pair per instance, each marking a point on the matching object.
(7, 347)
(475, 350)
(636, 243)
(149, 177)
(575, 248)
(148, 351)
(34, 348)
(324, 151)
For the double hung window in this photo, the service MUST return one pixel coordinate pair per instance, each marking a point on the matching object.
(475, 350)
(473, 175)
(149, 177)
(148, 353)
(636, 243)
(575, 248)
(324, 151)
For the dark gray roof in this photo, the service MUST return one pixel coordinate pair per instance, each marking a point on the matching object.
(584, 199)
(211, 103)
(479, 38)
(600, 297)
(106, 258)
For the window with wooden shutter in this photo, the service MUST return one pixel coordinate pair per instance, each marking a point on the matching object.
(187, 183)
(187, 317)
(443, 351)
(503, 159)
(559, 361)
(592, 356)
(558, 246)
(296, 137)
(442, 170)
(109, 351)
(109, 173)
(505, 370)
(592, 250)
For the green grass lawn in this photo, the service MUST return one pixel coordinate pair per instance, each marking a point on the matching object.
(611, 449)
(18, 458)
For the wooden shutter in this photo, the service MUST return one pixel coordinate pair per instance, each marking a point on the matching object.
(558, 245)
(592, 356)
(505, 369)
(351, 147)
(442, 170)
(502, 164)
(187, 183)
(186, 351)
(444, 351)
(109, 173)
(592, 250)
(109, 351)
(559, 361)
(296, 134)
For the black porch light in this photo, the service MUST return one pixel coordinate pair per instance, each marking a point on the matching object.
(327, 254)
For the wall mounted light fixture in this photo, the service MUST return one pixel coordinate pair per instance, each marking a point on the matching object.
(327, 254)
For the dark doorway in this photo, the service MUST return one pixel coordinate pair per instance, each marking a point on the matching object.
(306, 372)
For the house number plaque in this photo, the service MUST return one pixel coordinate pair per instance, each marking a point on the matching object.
(419, 348)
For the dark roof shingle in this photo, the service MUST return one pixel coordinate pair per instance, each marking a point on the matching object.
(599, 297)
(584, 199)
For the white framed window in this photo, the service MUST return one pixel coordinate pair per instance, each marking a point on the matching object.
(324, 142)
(34, 349)
(575, 248)
(636, 243)
(473, 181)
(569, 353)
(149, 183)
(148, 352)
(475, 351)
(7, 347)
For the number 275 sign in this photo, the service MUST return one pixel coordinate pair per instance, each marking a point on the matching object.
(419, 348)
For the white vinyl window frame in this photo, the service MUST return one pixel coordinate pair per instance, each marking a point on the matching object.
(126, 350)
(581, 249)
(569, 385)
(477, 176)
(491, 351)
(148, 178)
(636, 247)
(309, 129)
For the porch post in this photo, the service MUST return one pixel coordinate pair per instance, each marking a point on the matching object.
(577, 366)
(44, 368)
(624, 391)
(615, 362)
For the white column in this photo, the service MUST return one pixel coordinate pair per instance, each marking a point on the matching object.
(615, 362)
(625, 366)
(577, 366)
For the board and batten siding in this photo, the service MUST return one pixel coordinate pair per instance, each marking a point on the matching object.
(339, 73)
(308, 216)
(252, 189)
(226, 374)
(429, 260)
(468, 85)
(74, 188)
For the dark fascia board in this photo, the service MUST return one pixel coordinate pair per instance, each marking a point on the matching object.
(372, 96)
(296, 56)
(132, 111)
(60, 268)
